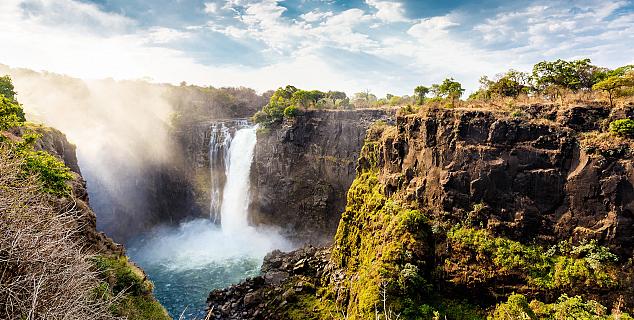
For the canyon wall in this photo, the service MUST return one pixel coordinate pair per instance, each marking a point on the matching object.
(452, 210)
(303, 168)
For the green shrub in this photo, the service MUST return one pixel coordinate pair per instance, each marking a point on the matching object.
(565, 266)
(623, 127)
(122, 275)
(291, 111)
(565, 308)
(515, 308)
(52, 173)
(11, 113)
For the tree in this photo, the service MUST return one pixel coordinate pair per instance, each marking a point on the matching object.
(7, 89)
(306, 99)
(336, 97)
(11, 112)
(510, 84)
(613, 83)
(273, 112)
(449, 89)
(561, 74)
(364, 99)
(419, 93)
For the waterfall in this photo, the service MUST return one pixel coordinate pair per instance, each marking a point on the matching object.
(235, 197)
(219, 142)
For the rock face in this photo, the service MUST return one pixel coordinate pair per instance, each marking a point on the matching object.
(535, 179)
(454, 205)
(54, 142)
(302, 170)
(286, 277)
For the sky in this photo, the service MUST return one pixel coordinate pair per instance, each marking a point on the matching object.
(385, 46)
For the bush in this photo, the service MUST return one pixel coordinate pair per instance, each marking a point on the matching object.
(564, 266)
(128, 282)
(517, 307)
(291, 111)
(52, 173)
(11, 113)
(122, 275)
(623, 127)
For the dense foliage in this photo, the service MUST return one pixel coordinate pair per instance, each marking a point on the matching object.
(564, 266)
(289, 101)
(623, 127)
(518, 307)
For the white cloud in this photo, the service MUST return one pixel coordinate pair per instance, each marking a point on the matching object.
(162, 35)
(87, 17)
(79, 39)
(388, 11)
(211, 8)
(432, 28)
(315, 15)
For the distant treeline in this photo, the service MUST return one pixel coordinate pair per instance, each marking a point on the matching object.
(549, 80)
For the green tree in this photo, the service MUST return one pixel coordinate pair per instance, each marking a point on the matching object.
(11, 112)
(450, 89)
(613, 83)
(306, 99)
(273, 112)
(364, 99)
(561, 74)
(336, 97)
(510, 84)
(420, 92)
(7, 89)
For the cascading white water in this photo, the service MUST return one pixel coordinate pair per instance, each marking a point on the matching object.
(219, 143)
(235, 198)
(187, 261)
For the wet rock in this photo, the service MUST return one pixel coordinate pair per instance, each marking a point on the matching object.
(302, 170)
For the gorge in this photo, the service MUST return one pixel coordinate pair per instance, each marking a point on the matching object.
(458, 212)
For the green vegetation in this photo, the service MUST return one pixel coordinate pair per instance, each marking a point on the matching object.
(50, 171)
(623, 127)
(7, 89)
(561, 74)
(288, 101)
(11, 113)
(380, 243)
(518, 307)
(612, 84)
(123, 278)
(448, 89)
(564, 266)
(291, 111)
(420, 92)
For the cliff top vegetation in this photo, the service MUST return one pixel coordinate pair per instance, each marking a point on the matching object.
(558, 82)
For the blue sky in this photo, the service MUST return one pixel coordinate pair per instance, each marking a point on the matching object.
(386, 46)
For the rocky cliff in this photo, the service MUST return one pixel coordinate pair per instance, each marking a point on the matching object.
(452, 210)
(302, 169)
(51, 239)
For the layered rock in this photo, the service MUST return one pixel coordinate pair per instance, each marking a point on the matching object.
(535, 178)
(303, 168)
(452, 210)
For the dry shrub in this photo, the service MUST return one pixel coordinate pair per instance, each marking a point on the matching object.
(44, 273)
